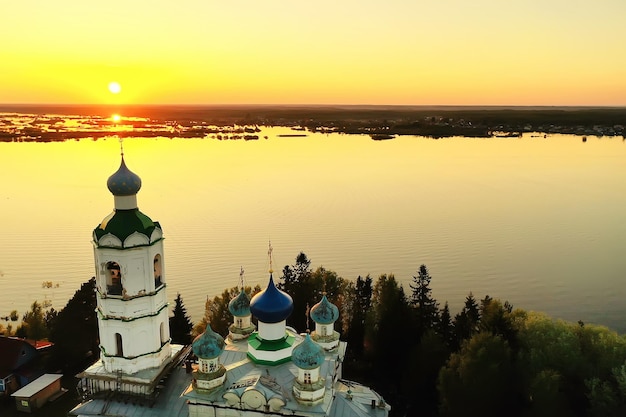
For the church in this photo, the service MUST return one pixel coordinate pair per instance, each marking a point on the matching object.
(269, 370)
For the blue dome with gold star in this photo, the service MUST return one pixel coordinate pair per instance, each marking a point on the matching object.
(208, 345)
(124, 182)
(308, 354)
(324, 312)
(271, 305)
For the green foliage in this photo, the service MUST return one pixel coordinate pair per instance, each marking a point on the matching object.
(466, 322)
(75, 331)
(216, 311)
(306, 287)
(425, 307)
(180, 323)
(34, 323)
(358, 303)
(480, 380)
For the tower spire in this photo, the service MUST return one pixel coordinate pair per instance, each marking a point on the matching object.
(241, 278)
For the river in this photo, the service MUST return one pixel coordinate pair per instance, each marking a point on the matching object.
(540, 222)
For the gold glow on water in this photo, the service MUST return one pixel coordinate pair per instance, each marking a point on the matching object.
(528, 220)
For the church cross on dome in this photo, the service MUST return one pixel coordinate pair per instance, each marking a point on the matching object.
(269, 254)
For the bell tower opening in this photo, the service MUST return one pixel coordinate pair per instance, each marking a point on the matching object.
(114, 278)
(158, 281)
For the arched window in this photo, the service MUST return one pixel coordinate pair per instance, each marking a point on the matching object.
(307, 377)
(114, 278)
(119, 345)
(158, 268)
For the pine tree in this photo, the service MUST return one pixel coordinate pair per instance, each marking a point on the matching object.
(180, 323)
(74, 331)
(425, 307)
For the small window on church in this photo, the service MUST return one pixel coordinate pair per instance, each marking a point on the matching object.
(114, 278)
(307, 377)
(204, 367)
(324, 331)
(118, 345)
(158, 281)
(212, 367)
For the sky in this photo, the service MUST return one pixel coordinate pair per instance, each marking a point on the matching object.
(378, 52)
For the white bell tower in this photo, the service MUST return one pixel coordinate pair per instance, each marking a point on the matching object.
(130, 279)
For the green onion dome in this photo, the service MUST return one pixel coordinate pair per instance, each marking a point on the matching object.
(124, 181)
(324, 312)
(208, 345)
(240, 305)
(308, 354)
(271, 305)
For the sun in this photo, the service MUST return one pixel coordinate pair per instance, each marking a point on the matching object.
(115, 87)
(116, 118)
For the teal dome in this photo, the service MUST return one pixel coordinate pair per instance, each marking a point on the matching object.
(308, 354)
(240, 305)
(208, 345)
(324, 312)
(271, 305)
(124, 182)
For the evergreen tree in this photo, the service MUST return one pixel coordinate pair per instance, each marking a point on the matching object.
(75, 331)
(445, 327)
(361, 301)
(425, 307)
(298, 283)
(466, 322)
(180, 323)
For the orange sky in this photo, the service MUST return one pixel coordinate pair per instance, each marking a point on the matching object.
(484, 52)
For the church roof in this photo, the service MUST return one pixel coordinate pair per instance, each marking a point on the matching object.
(123, 223)
(240, 305)
(208, 345)
(308, 354)
(324, 312)
(124, 182)
(271, 305)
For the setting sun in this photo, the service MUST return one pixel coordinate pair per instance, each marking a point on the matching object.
(116, 118)
(115, 87)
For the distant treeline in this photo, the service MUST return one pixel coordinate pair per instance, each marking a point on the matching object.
(437, 121)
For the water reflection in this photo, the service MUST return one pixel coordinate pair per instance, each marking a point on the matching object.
(536, 221)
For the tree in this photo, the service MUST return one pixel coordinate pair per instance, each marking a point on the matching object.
(466, 322)
(297, 282)
(480, 380)
(75, 331)
(386, 322)
(216, 311)
(34, 323)
(360, 303)
(425, 307)
(180, 323)
(445, 327)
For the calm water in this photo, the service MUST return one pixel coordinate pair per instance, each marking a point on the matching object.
(539, 222)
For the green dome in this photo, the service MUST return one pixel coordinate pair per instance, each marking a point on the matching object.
(308, 354)
(123, 223)
(209, 345)
(240, 305)
(324, 312)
